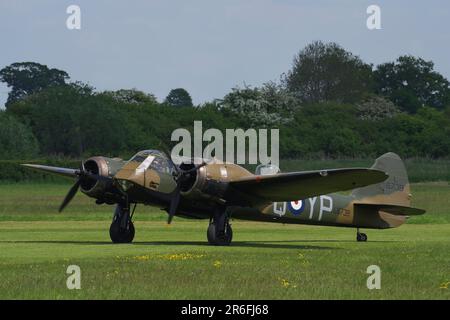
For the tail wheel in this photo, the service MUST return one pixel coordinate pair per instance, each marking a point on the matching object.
(361, 237)
(217, 237)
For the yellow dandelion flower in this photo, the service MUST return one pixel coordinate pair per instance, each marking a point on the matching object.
(217, 264)
(181, 256)
(285, 283)
(142, 258)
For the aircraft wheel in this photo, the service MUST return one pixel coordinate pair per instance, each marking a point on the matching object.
(223, 239)
(120, 235)
(361, 237)
(211, 233)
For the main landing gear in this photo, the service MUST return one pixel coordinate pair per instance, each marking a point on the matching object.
(219, 230)
(122, 228)
(360, 237)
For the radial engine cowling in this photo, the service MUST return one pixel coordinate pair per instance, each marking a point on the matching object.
(105, 167)
(211, 181)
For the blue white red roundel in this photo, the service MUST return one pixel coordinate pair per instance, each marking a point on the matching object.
(296, 207)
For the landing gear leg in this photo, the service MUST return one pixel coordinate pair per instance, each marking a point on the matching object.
(122, 228)
(360, 237)
(219, 230)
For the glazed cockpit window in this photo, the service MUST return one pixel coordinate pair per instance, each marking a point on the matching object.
(159, 161)
(138, 158)
(142, 155)
(161, 164)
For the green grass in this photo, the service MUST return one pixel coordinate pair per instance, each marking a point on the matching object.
(434, 197)
(265, 261)
(40, 201)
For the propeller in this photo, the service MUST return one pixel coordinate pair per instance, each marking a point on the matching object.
(72, 192)
(180, 176)
(82, 175)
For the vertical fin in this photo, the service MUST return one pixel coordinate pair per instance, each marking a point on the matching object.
(395, 190)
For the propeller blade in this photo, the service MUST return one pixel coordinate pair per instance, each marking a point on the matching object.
(179, 178)
(174, 204)
(70, 195)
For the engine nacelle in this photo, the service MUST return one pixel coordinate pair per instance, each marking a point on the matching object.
(210, 181)
(105, 167)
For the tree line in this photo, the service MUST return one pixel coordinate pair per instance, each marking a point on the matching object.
(330, 104)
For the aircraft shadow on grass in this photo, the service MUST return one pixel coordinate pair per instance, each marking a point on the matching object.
(278, 244)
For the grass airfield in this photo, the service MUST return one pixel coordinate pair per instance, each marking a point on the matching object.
(265, 261)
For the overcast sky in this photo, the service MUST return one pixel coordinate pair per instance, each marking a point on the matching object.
(210, 46)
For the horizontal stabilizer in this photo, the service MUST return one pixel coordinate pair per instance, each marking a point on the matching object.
(392, 209)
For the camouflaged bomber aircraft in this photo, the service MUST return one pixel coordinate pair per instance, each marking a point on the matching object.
(218, 191)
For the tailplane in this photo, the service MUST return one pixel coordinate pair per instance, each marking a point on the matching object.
(388, 208)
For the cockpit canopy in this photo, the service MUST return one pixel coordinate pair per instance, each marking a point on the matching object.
(153, 159)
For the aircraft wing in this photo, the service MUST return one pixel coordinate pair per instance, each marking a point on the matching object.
(56, 170)
(305, 184)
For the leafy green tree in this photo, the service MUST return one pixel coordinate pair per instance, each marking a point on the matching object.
(16, 139)
(26, 78)
(132, 96)
(377, 108)
(326, 130)
(266, 106)
(326, 72)
(71, 121)
(74, 120)
(433, 141)
(179, 98)
(411, 83)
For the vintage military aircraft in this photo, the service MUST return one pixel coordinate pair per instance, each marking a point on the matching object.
(217, 191)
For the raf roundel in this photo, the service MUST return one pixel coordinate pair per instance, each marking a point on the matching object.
(296, 207)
